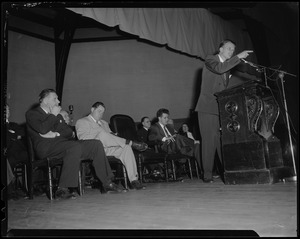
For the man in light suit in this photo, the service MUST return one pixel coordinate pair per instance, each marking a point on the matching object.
(215, 78)
(94, 127)
(51, 136)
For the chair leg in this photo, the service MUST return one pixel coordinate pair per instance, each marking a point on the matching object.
(24, 179)
(80, 182)
(190, 168)
(16, 175)
(125, 176)
(196, 166)
(140, 168)
(50, 181)
(30, 181)
(83, 176)
(166, 169)
(173, 168)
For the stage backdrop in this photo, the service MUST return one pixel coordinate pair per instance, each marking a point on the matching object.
(132, 77)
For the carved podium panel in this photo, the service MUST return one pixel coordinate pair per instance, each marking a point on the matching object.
(251, 153)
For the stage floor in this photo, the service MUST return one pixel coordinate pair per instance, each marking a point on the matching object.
(268, 209)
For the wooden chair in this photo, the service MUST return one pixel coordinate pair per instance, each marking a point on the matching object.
(20, 171)
(172, 158)
(50, 165)
(125, 127)
(118, 169)
(117, 166)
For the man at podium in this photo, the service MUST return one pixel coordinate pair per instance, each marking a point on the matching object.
(215, 78)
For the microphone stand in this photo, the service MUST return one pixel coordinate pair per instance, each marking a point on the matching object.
(71, 108)
(294, 178)
(281, 75)
(259, 68)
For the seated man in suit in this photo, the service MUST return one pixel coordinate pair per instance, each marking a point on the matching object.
(51, 136)
(143, 132)
(16, 144)
(162, 133)
(154, 171)
(94, 127)
(15, 150)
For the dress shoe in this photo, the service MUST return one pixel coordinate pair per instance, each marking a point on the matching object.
(137, 185)
(113, 188)
(208, 180)
(64, 193)
(140, 146)
(120, 186)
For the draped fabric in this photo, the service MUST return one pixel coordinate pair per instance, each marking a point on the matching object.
(194, 31)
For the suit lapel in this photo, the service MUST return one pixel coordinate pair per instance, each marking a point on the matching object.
(93, 123)
(41, 110)
(160, 129)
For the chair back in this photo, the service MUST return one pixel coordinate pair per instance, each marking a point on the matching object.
(30, 149)
(124, 126)
(34, 163)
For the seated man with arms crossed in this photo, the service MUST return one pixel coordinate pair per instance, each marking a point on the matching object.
(94, 127)
(51, 136)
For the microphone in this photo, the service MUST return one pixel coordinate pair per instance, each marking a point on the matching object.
(258, 69)
(250, 63)
(71, 108)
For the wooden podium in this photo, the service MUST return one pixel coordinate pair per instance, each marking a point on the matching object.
(251, 153)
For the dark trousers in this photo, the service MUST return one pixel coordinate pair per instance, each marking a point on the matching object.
(75, 151)
(197, 155)
(184, 146)
(210, 134)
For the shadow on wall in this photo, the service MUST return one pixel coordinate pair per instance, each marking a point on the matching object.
(197, 88)
(193, 119)
(33, 106)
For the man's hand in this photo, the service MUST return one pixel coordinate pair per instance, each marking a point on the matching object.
(170, 139)
(50, 134)
(55, 110)
(244, 54)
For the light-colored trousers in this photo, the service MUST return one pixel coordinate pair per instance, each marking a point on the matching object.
(117, 147)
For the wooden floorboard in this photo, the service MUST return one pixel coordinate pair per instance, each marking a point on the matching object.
(268, 209)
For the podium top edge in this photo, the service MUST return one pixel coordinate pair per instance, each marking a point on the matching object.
(243, 85)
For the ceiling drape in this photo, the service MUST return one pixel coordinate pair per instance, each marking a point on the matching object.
(194, 31)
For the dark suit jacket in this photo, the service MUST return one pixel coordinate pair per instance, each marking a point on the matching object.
(142, 134)
(39, 122)
(156, 132)
(213, 75)
(16, 144)
(181, 144)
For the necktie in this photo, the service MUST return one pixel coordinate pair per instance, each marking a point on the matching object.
(166, 131)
